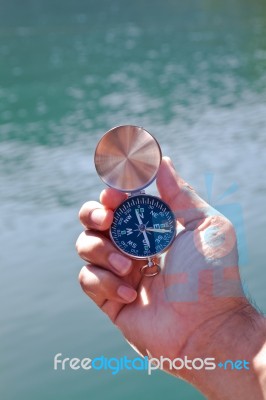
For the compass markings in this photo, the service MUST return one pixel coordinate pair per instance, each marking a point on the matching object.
(125, 227)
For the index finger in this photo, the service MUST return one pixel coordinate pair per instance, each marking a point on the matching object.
(99, 216)
(94, 215)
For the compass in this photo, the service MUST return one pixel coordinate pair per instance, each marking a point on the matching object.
(127, 158)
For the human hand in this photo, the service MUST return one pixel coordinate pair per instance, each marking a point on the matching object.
(193, 303)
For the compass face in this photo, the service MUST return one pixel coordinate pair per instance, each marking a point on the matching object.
(143, 226)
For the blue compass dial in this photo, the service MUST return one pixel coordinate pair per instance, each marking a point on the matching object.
(143, 226)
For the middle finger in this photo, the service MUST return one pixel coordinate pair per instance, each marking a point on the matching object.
(95, 248)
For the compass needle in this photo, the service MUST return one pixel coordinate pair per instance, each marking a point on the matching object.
(158, 230)
(138, 216)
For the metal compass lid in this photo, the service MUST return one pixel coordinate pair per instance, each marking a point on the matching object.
(127, 158)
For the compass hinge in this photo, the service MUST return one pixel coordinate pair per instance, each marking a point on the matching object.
(136, 193)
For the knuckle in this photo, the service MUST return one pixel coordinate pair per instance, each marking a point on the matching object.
(84, 245)
(83, 210)
(89, 244)
(85, 277)
(87, 208)
(79, 241)
(229, 228)
(186, 188)
(80, 213)
(82, 277)
(224, 223)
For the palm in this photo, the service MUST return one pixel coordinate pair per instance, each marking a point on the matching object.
(173, 304)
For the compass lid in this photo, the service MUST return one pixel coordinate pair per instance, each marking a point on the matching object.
(127, 158)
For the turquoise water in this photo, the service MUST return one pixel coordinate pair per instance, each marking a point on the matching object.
(193, 74)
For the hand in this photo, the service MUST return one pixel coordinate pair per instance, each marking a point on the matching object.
(194, 306)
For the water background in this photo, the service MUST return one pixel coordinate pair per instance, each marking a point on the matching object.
(193, 73)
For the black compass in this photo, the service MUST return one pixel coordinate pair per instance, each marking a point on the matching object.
(127, 158)
(143, 226)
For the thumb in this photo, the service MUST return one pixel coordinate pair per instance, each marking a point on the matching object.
(179, 195)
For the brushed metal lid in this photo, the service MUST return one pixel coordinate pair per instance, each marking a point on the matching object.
(127, 158)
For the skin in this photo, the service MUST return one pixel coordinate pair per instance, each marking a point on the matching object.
(195, 307)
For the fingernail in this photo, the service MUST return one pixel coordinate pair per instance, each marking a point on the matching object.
(127, 293)
(120, 263)
(98, 216)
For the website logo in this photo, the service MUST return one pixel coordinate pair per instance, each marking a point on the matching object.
(116, 365)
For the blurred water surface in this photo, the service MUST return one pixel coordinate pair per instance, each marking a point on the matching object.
(193, 74)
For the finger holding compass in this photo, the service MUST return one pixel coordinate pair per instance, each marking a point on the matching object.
(109, 277)
(99, 216)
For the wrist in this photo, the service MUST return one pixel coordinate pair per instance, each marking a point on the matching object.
(259, 365)
(235, 339)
